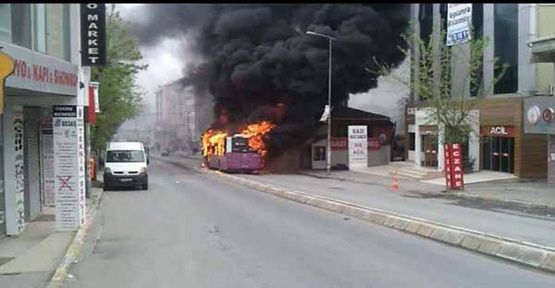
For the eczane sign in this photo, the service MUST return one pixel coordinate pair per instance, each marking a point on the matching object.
(93, 34)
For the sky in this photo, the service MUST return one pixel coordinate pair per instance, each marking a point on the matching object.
(166, 61)
(164, 65)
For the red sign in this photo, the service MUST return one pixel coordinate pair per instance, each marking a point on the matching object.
(341, 143)
(454, 172)
(374, 143)
(91, 115)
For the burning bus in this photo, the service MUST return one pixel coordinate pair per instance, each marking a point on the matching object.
(241, 152)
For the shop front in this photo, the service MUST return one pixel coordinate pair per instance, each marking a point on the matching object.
(37, 83)
(498, 148)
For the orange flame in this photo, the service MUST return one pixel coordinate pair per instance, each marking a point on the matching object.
(255, 132)
(213, 141)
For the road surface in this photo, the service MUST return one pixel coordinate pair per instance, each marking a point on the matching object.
(192, 230)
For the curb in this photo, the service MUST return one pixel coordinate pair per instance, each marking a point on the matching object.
(462, 195)
(74, 249)
(520, 252)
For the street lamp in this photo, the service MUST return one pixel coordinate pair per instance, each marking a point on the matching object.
(328, 146)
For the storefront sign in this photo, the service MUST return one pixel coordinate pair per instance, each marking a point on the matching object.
(81, 164)
(340, 143)
(38, 72)
(47, 163)
(454, 172)
(459, 19)
(66, 167)
(93, 34)
(6, 69)
(358, 146)
(497, 131)
(427, 129)
(539, 113)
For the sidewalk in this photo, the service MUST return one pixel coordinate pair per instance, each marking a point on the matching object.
(416, 199)
(29, 259)
(534, 193)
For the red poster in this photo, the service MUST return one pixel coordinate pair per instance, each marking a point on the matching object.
(457, 165)
(91, 111)
(454, 172)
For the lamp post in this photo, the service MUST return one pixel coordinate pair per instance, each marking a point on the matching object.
(328, 146)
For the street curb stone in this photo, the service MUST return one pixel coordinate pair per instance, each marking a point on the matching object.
(524, 253)
(74, 249)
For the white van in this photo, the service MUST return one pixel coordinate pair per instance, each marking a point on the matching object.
(125, 165)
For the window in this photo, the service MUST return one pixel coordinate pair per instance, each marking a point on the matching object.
(506, 46)
(478, 32)
(425, 17)
(443, 14)
(319, 153)
(21, 25)
(125, 156)
(39, 28)
(57, 31)
(6, 22)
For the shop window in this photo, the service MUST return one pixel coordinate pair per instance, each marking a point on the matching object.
(319, 153)
(6, 22)
(506, 46)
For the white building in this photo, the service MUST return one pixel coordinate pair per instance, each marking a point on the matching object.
(43, 40)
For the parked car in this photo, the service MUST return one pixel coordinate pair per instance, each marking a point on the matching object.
(125, 165)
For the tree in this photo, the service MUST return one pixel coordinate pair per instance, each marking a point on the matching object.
(119, 95)
(432, 80)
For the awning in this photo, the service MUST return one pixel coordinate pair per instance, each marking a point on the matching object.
(543, 49)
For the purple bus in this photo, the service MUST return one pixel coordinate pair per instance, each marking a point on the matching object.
(237, 157)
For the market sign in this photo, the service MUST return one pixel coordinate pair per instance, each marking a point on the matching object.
(37, 72)
(358, 146)
(459, 19)
(93, 34)
(340, 143)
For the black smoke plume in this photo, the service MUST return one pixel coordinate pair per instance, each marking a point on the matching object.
(258, 57)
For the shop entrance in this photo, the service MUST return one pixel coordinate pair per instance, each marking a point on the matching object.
(498, 154)
(429, 150)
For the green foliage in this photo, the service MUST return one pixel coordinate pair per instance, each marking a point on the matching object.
(119, 95)
(432, 62)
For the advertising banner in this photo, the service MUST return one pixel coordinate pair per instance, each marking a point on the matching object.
(358, 146)
(459, 20)
(454, 170)
(66, 167)
(93, 34)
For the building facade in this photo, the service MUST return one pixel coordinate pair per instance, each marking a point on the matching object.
(499, 142)
(182, 115)
(43, 41)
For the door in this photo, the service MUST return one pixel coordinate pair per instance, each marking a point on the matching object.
(429, 150)
(31, 157)
(498, 154)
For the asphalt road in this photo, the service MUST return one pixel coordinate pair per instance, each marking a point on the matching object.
(191, 230)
